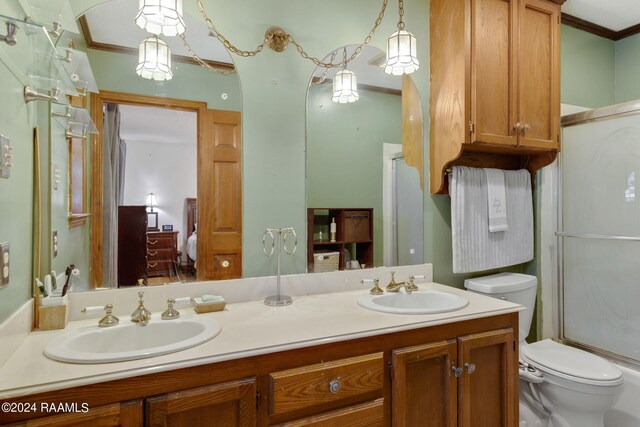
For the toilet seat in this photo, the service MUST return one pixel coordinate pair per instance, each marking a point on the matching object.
(572, 364)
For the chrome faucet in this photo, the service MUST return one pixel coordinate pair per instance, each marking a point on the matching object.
(141, 315)
(394, 286)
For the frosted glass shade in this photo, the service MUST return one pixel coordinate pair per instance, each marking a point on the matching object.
(402, 54)
(152, 200)
(345, 87)
(161, 17)
(154, 59)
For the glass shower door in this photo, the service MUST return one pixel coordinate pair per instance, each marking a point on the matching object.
(600, 237)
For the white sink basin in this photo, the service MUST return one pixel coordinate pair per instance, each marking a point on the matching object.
(421, 302)
(130, 341)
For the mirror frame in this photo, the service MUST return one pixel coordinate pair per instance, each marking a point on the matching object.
(98, 100)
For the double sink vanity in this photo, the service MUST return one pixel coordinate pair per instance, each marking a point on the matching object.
(337, 356)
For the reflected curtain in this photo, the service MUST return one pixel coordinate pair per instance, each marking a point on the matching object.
(113, 160)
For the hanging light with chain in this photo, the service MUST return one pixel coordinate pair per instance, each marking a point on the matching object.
(401, 50)
(161, 17)
(345, 85)
(154, 59)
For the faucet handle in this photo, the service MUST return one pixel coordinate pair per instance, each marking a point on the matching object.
(109, 319)
(170, 313)
(140, 295)
(376, 290)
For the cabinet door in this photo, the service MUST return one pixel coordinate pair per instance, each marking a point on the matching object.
(539, 73)
(424, 386)
(493, 83)
(488, 385)
(126, 414)
(228, 404)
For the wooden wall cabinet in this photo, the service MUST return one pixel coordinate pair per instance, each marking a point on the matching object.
(458, 382)
(495, 85)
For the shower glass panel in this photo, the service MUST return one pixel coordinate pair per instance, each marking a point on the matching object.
(600, 234)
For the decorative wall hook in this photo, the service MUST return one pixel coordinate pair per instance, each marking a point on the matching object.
(10, 38)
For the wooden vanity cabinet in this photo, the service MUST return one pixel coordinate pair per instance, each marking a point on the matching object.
(395, 379)
(495, 85)
(462, 382)
(230, 404)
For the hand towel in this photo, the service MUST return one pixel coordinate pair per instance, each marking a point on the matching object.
(474, 247)
(497, 200)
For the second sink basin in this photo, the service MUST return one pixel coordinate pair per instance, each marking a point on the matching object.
(131, 341)
(422, 302)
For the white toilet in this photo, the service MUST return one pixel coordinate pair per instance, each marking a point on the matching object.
(560, 386)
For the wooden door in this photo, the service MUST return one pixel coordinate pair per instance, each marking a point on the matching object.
(424, 386)
(219, 247)
(539, 74)
(228, 404)
(493, 82)
(488, 390)
(126, 414)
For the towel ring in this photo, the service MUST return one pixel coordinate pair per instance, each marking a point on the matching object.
(264, 246)
(284, 240)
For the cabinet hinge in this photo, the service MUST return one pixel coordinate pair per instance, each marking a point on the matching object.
(258, 399)
(472, 128)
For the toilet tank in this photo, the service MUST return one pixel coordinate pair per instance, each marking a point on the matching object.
(513, 287)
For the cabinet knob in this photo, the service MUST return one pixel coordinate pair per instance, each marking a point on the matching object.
(470, 367)
(526, 127)
(335, 386)
(225, 264)
(457, 371)
(518, 126)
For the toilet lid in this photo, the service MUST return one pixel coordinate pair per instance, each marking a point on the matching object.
(568, 361)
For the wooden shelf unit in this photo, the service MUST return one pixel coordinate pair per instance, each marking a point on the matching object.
(352, 234)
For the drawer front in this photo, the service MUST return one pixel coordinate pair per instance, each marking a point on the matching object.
(370, 414)
(158, 254)
(314, 385)
(157, 268)
(158, 243)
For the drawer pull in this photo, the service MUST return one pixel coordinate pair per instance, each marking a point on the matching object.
(152, 242)
(152, 265)
(470, 367)
(335, 386)
(225, 264)
(153, 253)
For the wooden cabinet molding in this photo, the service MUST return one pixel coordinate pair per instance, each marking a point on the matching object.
(211, 378)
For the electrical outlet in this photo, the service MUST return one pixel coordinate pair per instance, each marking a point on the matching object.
(4, 264)
(54, 240)
(5, 157)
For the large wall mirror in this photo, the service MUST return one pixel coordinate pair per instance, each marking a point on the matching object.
(163, 169)
(364, 166)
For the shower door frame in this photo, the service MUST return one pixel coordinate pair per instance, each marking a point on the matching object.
(599, 114)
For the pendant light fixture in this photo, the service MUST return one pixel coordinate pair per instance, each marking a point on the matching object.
(154, 59)
(401, 50)
(345, 85)
(161, 17)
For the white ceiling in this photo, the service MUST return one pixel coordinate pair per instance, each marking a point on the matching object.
(612, 14)
(163, 125)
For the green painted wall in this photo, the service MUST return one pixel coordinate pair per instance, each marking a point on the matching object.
(344, 151)
(627, 69)
(588, 68)
(117, 72)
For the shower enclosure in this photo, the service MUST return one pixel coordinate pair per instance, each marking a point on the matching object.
(599, 231)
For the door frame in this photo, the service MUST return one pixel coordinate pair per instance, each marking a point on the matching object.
(98, 100)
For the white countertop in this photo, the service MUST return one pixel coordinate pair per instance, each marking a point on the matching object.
(248, 329)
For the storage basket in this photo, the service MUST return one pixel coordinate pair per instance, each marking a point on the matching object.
(325, 261)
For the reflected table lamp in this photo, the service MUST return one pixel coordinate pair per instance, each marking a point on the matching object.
(152, 216)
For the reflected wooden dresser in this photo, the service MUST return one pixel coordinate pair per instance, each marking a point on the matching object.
(162, 252)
